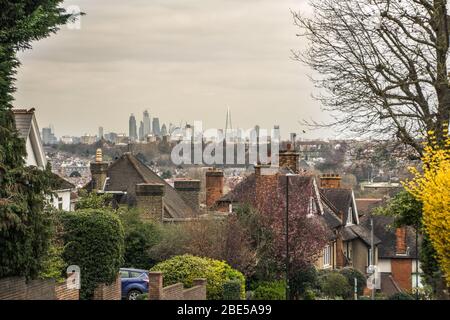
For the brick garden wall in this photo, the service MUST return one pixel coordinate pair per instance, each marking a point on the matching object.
(17, 288)
(108, 292)
(173, 292)
(176, 291)
(62, 293)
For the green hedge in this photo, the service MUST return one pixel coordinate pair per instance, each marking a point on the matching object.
(94, 240)
(186, 268)
(334, 285)
(232, 290)
(275, 290)
(350, 274)
(401, 296)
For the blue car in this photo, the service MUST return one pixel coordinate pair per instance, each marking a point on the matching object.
(134, 283)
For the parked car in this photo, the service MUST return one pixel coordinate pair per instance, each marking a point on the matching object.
(134, 283)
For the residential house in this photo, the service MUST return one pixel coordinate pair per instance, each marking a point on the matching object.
(349, 242)
(28, 129)
(397, 255)
(134, 184)
(352, 247)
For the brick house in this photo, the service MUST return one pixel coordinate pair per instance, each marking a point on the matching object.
(134, 184)
(349, 242)
(396, 255)
(352, 247)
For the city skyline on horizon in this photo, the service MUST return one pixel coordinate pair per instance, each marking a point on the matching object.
(184, 61)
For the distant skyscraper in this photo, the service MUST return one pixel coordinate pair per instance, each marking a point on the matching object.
(141, 131)
(156, 128)
(132, 128)
(48, 137)
(164, 130)
(100, 133)
(147, 124)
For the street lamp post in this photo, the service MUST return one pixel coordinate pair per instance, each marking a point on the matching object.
(287, 236)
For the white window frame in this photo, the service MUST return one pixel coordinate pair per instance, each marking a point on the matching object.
(350, 216)
(327, 256)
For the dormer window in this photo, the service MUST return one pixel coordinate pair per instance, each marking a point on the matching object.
(350, 216)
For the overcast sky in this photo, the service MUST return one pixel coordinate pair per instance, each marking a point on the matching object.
(183, 60)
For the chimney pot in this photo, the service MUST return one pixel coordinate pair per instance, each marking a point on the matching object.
(214, 186)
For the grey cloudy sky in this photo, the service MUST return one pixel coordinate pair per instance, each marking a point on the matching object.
(183, 60)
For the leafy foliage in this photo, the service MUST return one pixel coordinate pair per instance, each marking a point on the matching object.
(303, 281)
(350, 274)
(24, 226)
(334, 285)
(406, 210)
(400, 296)
(53, 264)
(186, 268)
(275, 290)
(94, 240)
(140, 237)
(92, 200)
(232, 290)
(431, 187)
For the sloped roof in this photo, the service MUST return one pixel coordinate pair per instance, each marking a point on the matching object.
(359, 231)
(60, 183)
(173, 203)
(239, 194)
(28, 129)
(244, 191)
(339, 197)
(384, 230)
(366, 205)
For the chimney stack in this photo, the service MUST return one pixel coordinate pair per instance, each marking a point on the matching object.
(400, 245)
(330, 181)
(214, 186)
(189, 190)
(150, 200)
(99, 171)
(289, 159)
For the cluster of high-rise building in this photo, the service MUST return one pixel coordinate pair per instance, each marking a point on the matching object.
(147, 128)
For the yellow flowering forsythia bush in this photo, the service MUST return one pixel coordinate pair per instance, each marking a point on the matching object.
(432, 187)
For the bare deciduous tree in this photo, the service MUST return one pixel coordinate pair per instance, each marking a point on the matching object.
(382, 65)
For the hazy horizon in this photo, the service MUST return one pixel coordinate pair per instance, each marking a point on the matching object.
(183, 60)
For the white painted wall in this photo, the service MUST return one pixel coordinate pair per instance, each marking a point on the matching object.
(65, 197)
(384, 265)
(30, 159)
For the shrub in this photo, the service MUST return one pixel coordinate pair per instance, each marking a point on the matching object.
(275, 290)
(350, 274)
(53, 265)
(140, 237)
(143, 296)
(334, 284)
(232, 290)
(305, 279)
(400, 296)
(93, 200)
(186, 268)
(309, 294)
(94, 240)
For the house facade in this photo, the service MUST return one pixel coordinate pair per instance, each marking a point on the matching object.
(349, 243)
(134, 184)
(28, 129)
